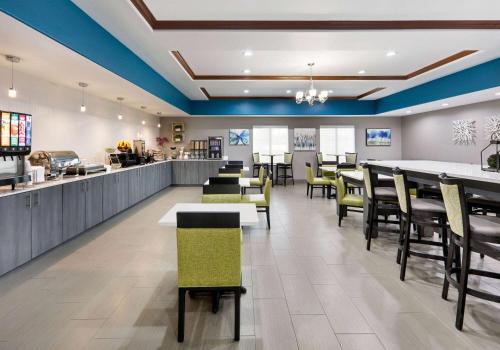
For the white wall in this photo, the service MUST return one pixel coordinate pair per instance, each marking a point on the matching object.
(58, 123)
(429, 135)
(202, 127)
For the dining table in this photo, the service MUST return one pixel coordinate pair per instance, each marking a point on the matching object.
(337, 156)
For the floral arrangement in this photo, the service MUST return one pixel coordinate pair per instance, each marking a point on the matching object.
(161, 141)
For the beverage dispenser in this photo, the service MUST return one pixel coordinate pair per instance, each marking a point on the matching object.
(15, 144)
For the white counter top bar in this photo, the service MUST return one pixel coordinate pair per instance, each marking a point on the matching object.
(21, 188)
(460, 170)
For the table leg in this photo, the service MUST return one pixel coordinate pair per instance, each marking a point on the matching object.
(272, 171)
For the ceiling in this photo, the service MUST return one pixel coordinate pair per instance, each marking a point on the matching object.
(51, 61)
(286, 53)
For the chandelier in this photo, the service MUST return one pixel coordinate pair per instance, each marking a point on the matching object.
(310, 96)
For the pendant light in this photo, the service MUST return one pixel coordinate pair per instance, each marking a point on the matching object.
(120, 115)
(83, 108)
(143, 108)
(159, 116)
(12, 60)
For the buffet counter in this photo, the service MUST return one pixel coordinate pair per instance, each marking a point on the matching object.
(194, 171)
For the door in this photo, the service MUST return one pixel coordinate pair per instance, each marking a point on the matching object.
(15, 232)
(94, 198)
(74, 215)
(47, 219)
(109, 196)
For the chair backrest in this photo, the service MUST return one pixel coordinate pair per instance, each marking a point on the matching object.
(402, 190)
(351, 157)
(235, 162)
(319, 158)
(256, 157)
(288, 158)
(208, 249)
(341, 192)
(267, 191)
(234, 166)
(367, 179)
(455, 204)
(221, 189)
(223, 180)
(309, 173)
(261, 175)
(227, 170)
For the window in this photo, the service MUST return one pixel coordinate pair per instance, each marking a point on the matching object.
(336, 140)
(270, 140)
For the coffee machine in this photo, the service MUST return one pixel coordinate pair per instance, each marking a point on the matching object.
(15, 144)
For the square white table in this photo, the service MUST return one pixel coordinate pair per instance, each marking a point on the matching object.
(245, 168)
(248, 212)
(243, 181)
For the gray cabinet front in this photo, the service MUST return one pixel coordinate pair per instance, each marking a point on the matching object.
(122, 191)
(74, 210)
(93, 201)
(46, 219)
(15, 232)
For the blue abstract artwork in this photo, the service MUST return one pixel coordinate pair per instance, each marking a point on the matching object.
(239, 137)
(378, 137)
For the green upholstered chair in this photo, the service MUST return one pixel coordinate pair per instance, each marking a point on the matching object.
(474, 233)
(261, 201)
(351, 157)
(346, 200)
(257, 164)
(230, 172)
(423, 212)
(319, 162)
(259, 181)
(209, 259)
(315, 182)
(221, 193)
(382, 200)
(282, 168)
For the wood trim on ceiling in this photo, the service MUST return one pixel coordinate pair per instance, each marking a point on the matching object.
(155, 24)
(182, 61)
(210, 97)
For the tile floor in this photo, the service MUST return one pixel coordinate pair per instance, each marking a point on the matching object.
(310, 285)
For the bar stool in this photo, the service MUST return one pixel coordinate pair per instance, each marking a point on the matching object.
(474, 233)
(351, 157)
(422, 212)
(257, 164)
(381, 201)
(284, 167)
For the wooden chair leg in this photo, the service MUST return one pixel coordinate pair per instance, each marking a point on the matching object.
(237, 303)
(462, 290)
(312, 189)
(371, 214)
(260, 187)
(215, 301)
(180, 322)
(448, 266)
(406, 248)
(341, 213)
(268, 215)
(401, 239)
(323, 190)
(307, 193)
(293, 179)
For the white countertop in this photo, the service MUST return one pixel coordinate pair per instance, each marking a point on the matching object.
(20, 188)
(358, 175)
(460, 170)
(248, 212)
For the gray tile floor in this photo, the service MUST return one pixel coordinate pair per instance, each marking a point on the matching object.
(310, 285)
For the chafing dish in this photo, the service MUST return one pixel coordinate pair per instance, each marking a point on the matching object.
(54, 162)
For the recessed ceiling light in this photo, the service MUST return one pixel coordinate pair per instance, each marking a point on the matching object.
(246, 91)
(247, 71)
(445, 104)
(497, 93)
(390, 53)
(408, 111)
(143, 122)
(288, 91)
(362, 71)
(247, 53)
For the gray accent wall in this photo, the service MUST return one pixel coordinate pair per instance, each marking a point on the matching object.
(429, 135)
(202, 127)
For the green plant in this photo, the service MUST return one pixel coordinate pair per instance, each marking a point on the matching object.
(492, 160)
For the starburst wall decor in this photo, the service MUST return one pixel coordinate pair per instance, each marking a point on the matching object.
(464, 132)
(492, 128)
